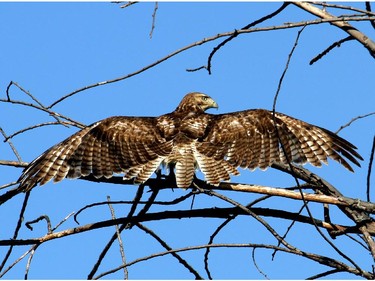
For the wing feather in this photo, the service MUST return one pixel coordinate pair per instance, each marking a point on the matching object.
(129, 145)
(249, 139)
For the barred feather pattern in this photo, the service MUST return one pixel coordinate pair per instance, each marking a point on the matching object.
(257, 139)
(131, 146)
(188, 138)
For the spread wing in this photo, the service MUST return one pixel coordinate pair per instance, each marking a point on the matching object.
(218, 144)
(129, 145)
(248, 139)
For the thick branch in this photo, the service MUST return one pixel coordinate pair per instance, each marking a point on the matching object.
(338, 200)
(198, 213)
(361, 218)
(342, 24)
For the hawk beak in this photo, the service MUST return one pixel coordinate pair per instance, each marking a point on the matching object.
(214, 104)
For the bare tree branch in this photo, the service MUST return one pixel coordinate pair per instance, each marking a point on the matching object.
(368, 184)
(206, 40)
(344, 7)
(168, 248)
(353, 120)
(318, 258)
(128, 4)
(330, 48)
(235, 33)
(154, 19)
(118, 233)
(342, 24)
(369, 10)
(180, 214)
(16, 231)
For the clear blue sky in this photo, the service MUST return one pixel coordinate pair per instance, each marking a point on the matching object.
(52, 49)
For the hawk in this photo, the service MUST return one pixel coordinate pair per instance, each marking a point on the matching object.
(187, 139)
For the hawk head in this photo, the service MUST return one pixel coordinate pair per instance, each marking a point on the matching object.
(196, 102)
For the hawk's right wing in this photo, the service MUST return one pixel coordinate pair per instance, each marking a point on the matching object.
(129, 145)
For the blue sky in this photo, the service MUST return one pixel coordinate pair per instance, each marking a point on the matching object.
(52, 49)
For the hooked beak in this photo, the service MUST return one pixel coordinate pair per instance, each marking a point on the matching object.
(214, 105)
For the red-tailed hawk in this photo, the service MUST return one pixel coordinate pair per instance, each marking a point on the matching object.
(188, 138)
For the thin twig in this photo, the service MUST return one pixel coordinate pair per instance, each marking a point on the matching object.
(24, 91)
(123, 226)
(289, 228)
(65, 123)
(317, 258)
(11, 145)
(162, 203)
(284, 73)
(341, 253)
(17, 229)
(50, 230)
(8, 185)
(28, 264)
(368, 9)
(288, 160)
(323, 274)
(52, 113)
(368, 184)
(210, 242)
(62, 221)
(121, 244)
(153, 19)
(206, 40)
(236, 33)
(42, 217)
(256, 265)
(254, 215)
(353, 120)
(221, 226)
(330, 48)
(350, 8)
(2, 274)
(168, 248)
(28, 94)
(130, 3)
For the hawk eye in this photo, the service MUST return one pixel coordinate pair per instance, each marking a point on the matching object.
(205, 98)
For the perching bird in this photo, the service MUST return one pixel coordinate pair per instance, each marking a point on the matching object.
(186, 139)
